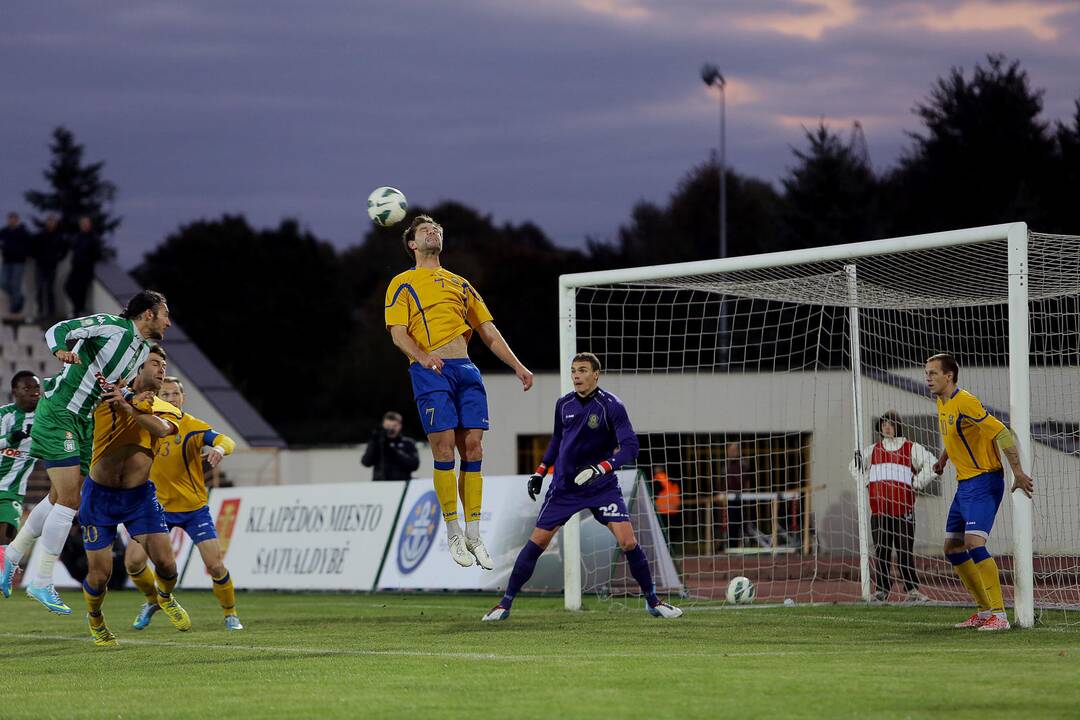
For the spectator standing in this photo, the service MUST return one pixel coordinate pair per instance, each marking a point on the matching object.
(50, 247)
(15, 246)
(86, 251)
(893, 468)
(392, 455)
(668, 501)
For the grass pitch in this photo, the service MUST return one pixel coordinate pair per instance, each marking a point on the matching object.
(427, 655)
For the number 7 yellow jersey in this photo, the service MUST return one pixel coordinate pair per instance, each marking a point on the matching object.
(178, 465)
(435, 306)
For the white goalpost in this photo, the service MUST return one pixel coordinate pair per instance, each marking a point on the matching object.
(754, 381)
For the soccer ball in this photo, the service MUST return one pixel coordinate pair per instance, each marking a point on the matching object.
(740, 591)
(386, 206)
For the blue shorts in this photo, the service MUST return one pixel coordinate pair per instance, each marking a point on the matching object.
(198, 524)
(103, 508)
(975, 505)
(454, 398)
(561, 504)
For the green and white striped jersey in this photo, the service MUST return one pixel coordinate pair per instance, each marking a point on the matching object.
(14, 471)
(108, 346)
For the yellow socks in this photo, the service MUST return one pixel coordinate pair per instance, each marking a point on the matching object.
(971, 577)
(94, 599)
(147, 583)
(471, 484)
(225, 593)
(446, 489)
(989, 578)
(165, 585)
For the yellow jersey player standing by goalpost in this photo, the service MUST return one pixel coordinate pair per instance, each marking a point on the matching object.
(972, 437)
(431, 313)
(178, 475)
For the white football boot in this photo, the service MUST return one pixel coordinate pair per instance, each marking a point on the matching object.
(664, 610)
(496, 613)
(476, 547)
(459, 551)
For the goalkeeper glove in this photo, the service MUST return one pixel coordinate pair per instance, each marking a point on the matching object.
(536, 480)
(590, 472)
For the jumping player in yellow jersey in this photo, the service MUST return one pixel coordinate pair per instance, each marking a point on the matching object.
(972, 438)
(177, 473)
(127, 427)
(431, 313)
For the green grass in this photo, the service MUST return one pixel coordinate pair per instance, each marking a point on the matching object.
(371, 656)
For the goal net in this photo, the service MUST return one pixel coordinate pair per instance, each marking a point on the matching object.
(756, 386)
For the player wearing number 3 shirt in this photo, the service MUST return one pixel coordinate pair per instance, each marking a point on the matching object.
(592, 438)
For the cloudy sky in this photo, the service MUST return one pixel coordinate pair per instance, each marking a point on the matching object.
(563, 112)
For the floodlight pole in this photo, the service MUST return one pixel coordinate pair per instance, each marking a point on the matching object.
(712, 77)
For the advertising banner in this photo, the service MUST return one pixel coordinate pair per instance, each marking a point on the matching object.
(301, 537)
(419, 556)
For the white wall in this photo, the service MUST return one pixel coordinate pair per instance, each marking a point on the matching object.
(305, 466)
(809, 402)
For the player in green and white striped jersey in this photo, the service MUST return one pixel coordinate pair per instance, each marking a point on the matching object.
(16, 420)
(98, 351)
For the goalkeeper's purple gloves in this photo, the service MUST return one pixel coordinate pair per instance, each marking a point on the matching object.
(590, 472)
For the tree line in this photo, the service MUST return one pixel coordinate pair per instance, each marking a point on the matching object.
(297, 325)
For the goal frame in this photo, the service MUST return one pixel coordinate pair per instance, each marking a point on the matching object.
(1016, 236)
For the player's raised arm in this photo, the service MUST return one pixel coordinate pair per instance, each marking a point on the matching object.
(498, 345)
(217, 446)
(58, 336)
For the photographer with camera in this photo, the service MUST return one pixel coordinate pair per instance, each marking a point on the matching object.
(392, 455)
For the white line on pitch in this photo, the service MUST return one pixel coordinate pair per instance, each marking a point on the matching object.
(271, 649)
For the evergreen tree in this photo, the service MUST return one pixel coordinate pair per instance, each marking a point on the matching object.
(686, 228)
(271, 309)
(75, 189)
(830, 195)
(983, 156)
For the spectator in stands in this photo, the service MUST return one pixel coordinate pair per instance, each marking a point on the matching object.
(893, 468)
(86, 250)
(668, 501)
(392, 455)
(734, 470)
(15, 246)
(50, 247)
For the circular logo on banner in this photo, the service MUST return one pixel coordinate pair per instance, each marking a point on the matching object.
(418, 534)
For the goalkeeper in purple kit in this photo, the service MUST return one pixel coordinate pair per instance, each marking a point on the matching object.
(592, 439)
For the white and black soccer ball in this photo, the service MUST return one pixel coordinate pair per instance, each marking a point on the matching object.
(386, 206)
(740, 591)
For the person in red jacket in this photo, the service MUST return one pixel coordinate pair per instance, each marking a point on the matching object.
(894, 468)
